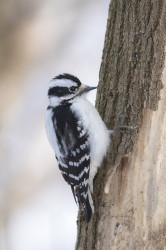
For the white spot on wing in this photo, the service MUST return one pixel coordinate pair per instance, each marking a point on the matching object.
(74, 153)
(79, 128)
(78, 150)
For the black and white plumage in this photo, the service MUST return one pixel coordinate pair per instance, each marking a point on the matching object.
(77, 135)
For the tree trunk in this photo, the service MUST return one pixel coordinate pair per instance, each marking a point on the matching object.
(130, 187)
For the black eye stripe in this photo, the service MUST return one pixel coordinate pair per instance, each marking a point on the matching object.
(58, 91)
(73, 88)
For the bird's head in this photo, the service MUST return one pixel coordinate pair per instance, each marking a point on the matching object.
(66, 87)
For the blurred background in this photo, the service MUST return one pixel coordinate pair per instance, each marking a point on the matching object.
(38, 40)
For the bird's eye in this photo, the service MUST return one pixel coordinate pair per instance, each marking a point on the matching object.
(73, 89)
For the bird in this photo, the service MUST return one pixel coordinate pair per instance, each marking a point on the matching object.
(78, 136)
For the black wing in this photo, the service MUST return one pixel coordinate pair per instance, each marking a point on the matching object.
(74, 145)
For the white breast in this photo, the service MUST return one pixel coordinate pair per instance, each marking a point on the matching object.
(98, 133)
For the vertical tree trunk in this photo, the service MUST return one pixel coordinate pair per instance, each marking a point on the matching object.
(130, 187)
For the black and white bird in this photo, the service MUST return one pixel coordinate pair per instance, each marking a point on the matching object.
(78, 136)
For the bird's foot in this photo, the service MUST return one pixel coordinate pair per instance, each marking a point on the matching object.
(121, 128)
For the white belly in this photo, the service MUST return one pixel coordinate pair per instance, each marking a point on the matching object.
(98, 133)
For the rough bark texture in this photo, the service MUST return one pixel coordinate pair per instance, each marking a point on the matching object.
(129, 189)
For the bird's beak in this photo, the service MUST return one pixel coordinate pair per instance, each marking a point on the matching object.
(85, 88)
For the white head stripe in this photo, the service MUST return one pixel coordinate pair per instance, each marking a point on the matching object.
(62, 83)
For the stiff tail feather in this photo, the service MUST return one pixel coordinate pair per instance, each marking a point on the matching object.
(86, 205)
(89, 208)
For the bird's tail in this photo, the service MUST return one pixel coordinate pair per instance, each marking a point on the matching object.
(89, 208)
(84, 204)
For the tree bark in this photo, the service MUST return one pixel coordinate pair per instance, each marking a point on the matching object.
(129, 189)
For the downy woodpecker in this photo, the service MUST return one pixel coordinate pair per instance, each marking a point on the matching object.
(78, 136)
